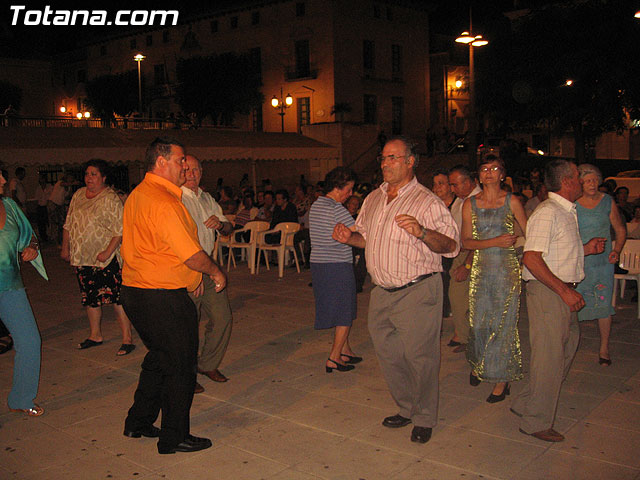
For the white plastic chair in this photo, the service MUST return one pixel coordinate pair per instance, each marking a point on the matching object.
(288, 230)
(629, 260)
(222, 241)
(254, 227)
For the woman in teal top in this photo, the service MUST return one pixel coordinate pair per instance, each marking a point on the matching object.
(597, 215)
(17, 241)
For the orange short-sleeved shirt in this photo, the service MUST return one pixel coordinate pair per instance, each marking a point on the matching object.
(158, 236)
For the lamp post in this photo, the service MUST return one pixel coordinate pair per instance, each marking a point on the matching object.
(139, 58)
(282, 104)
(473, 41)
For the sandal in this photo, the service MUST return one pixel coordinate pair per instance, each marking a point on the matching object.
(126, 349)
(34, 411)
(6, 344)
(88, 343)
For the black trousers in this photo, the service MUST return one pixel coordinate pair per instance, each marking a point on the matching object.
(167, 322)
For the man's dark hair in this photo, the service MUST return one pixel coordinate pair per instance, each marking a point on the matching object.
(338, 178)
(410, 147)
(462, 170)
(20, 172)
(270, 193)
(160, 147)
(284, 193)
(619, 189)
(101, 165)
(555, 171)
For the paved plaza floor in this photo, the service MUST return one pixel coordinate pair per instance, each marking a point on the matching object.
(281, 416)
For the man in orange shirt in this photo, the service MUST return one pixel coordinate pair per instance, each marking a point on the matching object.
(163, 261)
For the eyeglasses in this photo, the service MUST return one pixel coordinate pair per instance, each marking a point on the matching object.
(391, 158)
(490, 169)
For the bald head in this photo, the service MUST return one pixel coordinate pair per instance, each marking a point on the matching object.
(194, 173)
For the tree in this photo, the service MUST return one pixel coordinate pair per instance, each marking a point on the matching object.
(220, 86)
(109, 94)
(10, 94)
(523, 73)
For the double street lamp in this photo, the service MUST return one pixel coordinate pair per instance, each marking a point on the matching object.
(473, 41)
(139, 58)
(282, 104)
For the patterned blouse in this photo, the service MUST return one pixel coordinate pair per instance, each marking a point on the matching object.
(92, 223)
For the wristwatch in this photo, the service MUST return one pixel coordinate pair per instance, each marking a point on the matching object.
(422, 235)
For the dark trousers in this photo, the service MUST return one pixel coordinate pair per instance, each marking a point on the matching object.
(43, 222)
(167, 322)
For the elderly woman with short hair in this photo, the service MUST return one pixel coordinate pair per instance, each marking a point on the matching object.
(91, 238)
(334, 285)
(597, 213)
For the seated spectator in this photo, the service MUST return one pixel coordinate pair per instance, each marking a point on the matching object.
(246, 213)
(265, 212)
(633, 227)
(227, 202)
(539, 196)
(260, 199)
(301, 202)
(622, 200)
(284, 211)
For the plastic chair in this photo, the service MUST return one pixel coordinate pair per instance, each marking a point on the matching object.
(254, 227)
(288, 230)
(222, 241)
(629, 260)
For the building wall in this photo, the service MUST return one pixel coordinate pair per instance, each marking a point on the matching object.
(34, 77)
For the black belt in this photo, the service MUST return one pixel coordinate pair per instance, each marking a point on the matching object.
(412, 282)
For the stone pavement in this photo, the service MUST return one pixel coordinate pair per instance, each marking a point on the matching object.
(282, 417)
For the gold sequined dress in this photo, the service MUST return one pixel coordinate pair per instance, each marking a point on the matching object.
(494, 299)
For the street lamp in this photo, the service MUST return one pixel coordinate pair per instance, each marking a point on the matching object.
(473, 41)
(282, 104)
(139, 58)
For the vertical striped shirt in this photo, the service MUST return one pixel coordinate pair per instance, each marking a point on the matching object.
(325, 213)
(394, 256)
(553, 230)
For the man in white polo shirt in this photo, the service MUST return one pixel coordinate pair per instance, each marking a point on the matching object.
(213, 307)
(554, 265)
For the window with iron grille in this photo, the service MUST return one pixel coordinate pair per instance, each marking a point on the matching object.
(304, 112)
(396, 61)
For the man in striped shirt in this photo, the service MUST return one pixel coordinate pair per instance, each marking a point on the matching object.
(405, 229)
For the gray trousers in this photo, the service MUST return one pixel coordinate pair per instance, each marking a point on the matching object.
(405, 330)
(215, 312)
(554, 335)
(459, 298)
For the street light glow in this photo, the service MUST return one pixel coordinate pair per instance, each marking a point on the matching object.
(139, 57)
(275, 102)
(458, 83)
(63, 109)
(637, 14)
(478, 41)
(465, 37)
(79, 116)
(569, 82)
(87, 114)
(288, 100)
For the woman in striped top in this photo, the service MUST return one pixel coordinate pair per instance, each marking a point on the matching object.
(334, 284)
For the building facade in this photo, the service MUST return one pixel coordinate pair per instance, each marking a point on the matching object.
(359, 61)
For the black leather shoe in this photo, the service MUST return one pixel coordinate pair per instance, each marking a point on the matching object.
(473, 380)
(421, 434)
(150, 432)
(189, 444)
(396, 421)
(498, 398)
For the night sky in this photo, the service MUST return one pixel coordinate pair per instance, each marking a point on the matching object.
(447, 17)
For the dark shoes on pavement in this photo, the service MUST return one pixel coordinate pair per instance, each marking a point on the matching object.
(214, 375)
(421, 434)
(198, 389)
(150, 432)
(396, 421)
(548, 435)
(189, 444)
